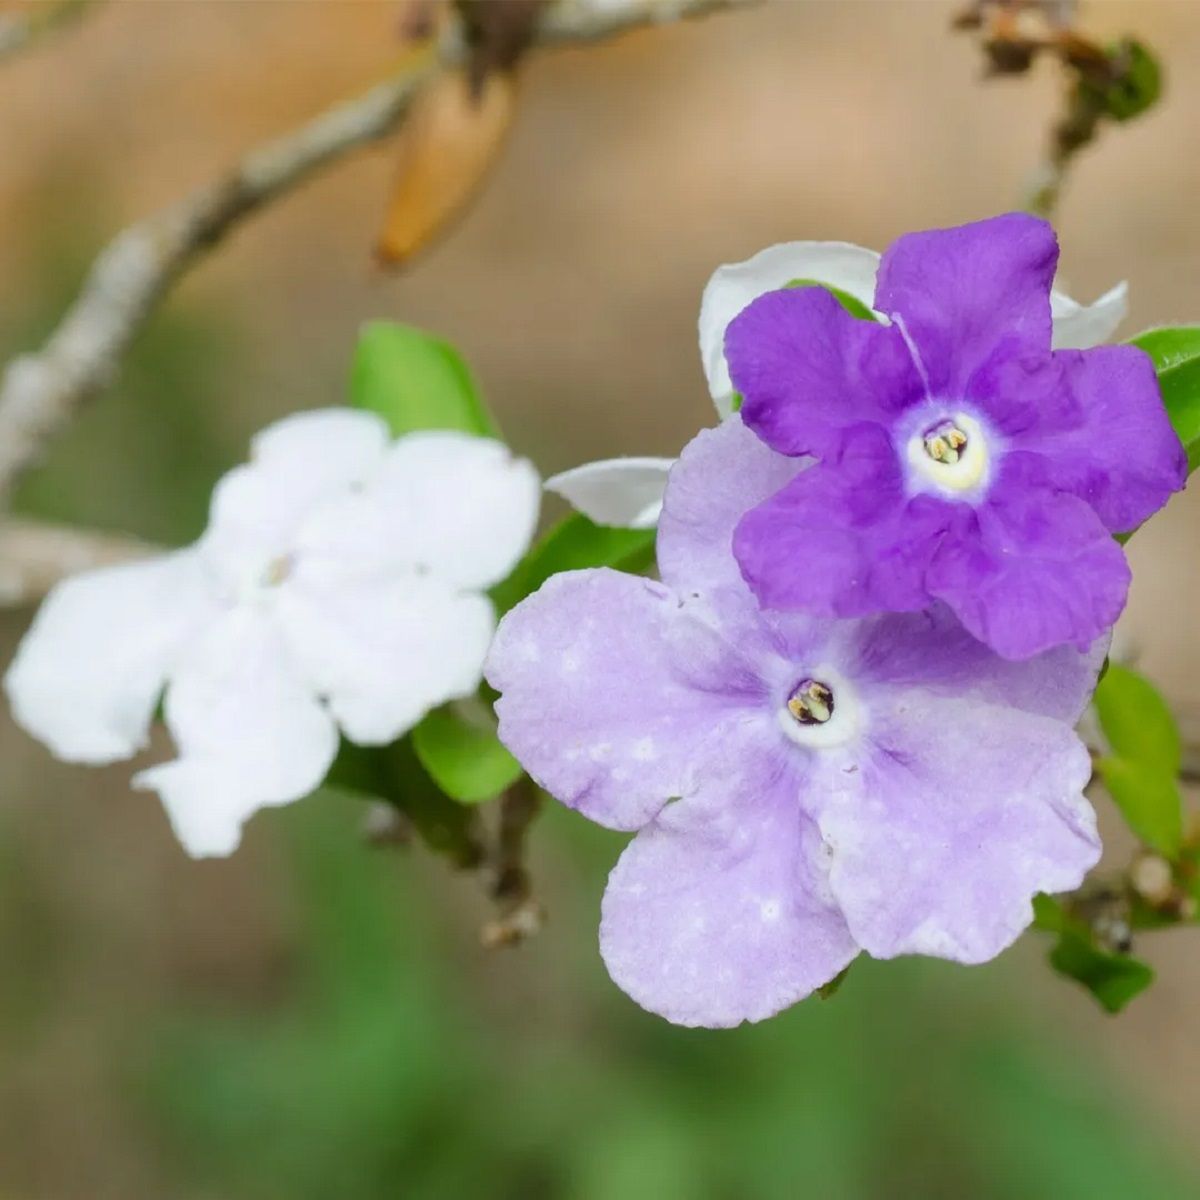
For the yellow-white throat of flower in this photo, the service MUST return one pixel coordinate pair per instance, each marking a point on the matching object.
(950, 455)
(822, 710)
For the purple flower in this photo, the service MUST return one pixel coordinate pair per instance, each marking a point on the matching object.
(960, 458)
(803, 788)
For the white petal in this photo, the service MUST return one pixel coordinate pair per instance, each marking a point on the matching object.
(88, 674)
(735, 285)
(296, 464)
(1082, 326)
(385, 652)
(626, 492)
(458, 508)
(249, 731)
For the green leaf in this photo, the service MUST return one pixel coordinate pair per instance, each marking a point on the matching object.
(572, 544)
(1135, 84)
(1114, 979)
(852, 304)
(1146, 754)
(458, 746)
(395, 775)
(1149, 800)
(415, 381)
(828, 990)
(1048, 914)
(1176, 354)
(1169, 345)
(1136, 720)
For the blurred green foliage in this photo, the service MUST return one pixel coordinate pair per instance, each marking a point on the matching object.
(383, 1072)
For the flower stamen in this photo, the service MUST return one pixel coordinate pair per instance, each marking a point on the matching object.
(950, 456)
(946, 443)
(278, 569)
(811, 703)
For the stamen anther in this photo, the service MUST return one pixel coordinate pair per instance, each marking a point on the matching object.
(811, 703)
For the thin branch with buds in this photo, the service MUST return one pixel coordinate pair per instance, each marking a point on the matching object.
(41, 392)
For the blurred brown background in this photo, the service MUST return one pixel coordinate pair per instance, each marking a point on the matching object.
(573, 288)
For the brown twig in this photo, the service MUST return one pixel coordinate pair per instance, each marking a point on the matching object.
(40, 392)
(35, 555)
(507, 876)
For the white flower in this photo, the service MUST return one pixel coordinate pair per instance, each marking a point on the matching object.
(340, 584)
(628, 491)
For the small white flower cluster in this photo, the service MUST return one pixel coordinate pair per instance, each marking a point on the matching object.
(340, 585)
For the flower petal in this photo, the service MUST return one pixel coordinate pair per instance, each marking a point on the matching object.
(296, 464)
(88, 674)
(964, 295)
(249, 731)
(1082, 326)
(841, 539)
(459, 508)
(808, 370)
(959, 814)
(719, 911)
(384, 652)
(611, 687)
(733, 286)
(931, 651)
(1030, 568)
(1123, 457)
(721, 474)
(626, 492)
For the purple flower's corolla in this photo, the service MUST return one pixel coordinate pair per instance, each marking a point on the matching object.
(803, 788)
(961, 459)
(628, 491)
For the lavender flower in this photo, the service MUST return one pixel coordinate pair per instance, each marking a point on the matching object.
(961, 459)
(803, 788)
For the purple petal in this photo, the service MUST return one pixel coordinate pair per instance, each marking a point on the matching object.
(1030, 568)
(841, 539)
(721, 474)
(807, 370)
(964, 295)
(1122, 457)
(962, 812)
(612, 687)
(719, 912)
(930, 650)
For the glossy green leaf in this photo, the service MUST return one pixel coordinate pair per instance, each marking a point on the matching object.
(458, 746)
(852, 304)
(1136, 720)
(572, 544)
(1149, 800)
(1176, 354)
(1141, 771)
(415, 381)
(1114, 979)
(1169, 345)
